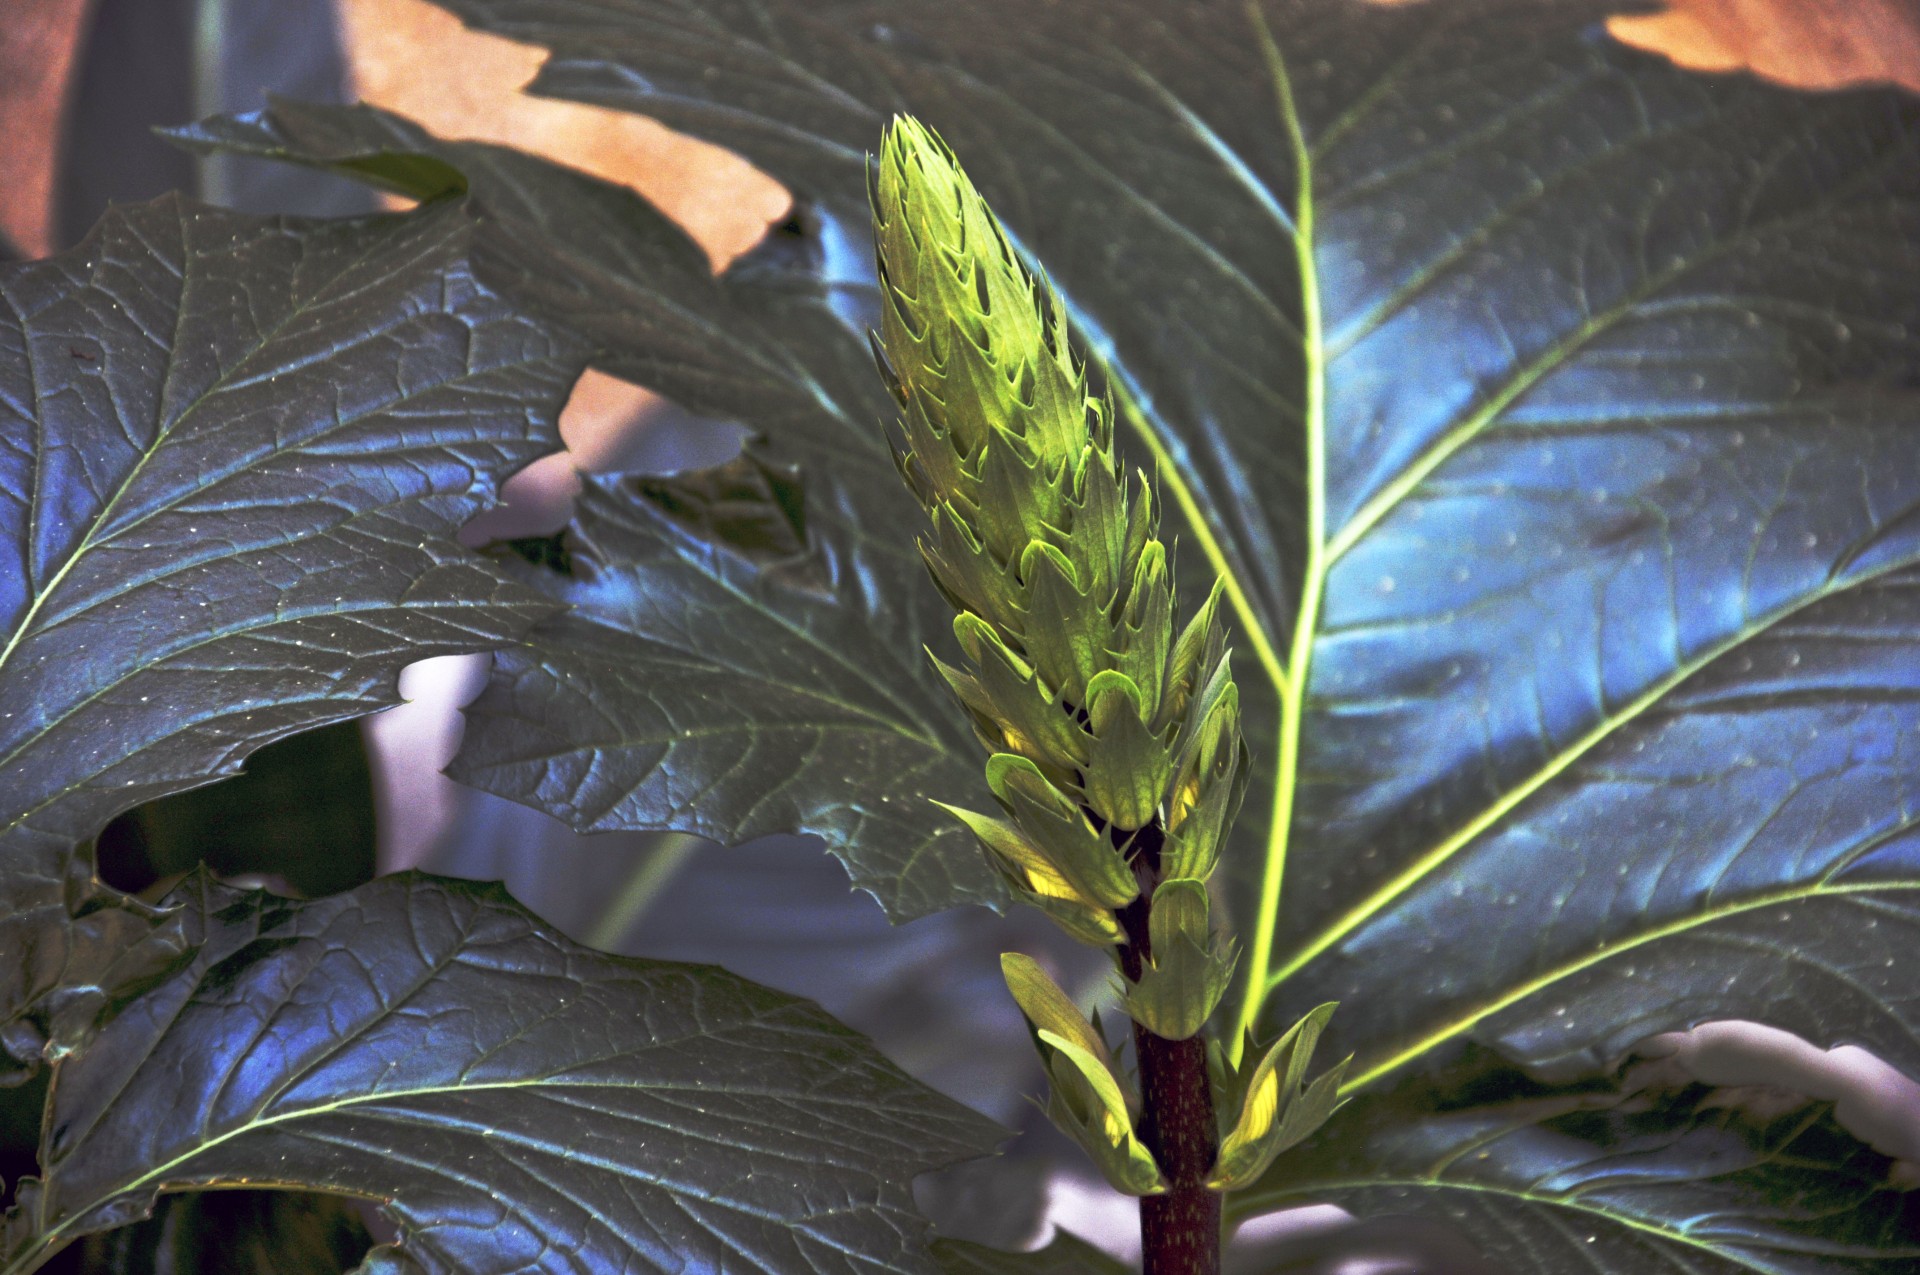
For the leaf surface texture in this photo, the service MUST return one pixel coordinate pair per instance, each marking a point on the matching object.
(520, 1102)
(1650, 1177)
(233, 451)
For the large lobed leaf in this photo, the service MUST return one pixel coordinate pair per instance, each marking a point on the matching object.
(706, 679)
(719, 674)
(1563, 393)
(1550, 411)
(521, 1103)
(571, 245)
(237, 451)
(233, 451)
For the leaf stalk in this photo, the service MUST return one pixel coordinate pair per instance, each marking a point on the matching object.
(1293, 699)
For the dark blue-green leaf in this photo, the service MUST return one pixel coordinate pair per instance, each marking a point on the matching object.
(1652, 1176)
(723, 672)
(1568, 397)
(1550, 410)
(730, 689)
(521, 1104)
(579, 249)
(233, 453)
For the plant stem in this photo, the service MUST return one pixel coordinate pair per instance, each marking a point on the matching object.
(1179, 1230)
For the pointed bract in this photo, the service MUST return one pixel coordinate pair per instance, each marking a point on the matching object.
(1090, 1101)
(1036, 723)
(1189, 970)
(1066, 631)
(1086, 1104)
(1054, 823)
(1127, 768)
(1269, 1103)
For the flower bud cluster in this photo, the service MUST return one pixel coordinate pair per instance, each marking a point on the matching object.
(1100, 717)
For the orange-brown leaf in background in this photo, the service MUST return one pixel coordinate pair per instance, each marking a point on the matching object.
(1812, 44)
(473, 91)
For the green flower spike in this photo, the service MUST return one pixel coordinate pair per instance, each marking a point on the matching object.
(1114, 739)
(1189, 971)
(1270, 1106)
(1046, 550)
(1090, 1102)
